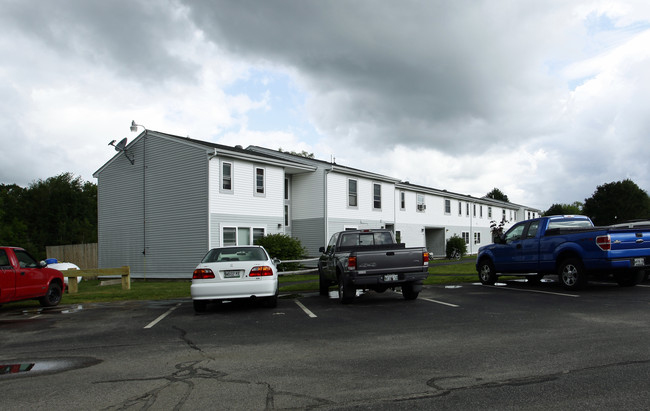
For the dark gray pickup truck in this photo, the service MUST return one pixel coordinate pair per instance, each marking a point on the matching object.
(371, 259)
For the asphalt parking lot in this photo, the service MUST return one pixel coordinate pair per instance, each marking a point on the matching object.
(510, 346)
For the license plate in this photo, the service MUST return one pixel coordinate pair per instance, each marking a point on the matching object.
(639, 262)
(231, 274)
(390, 277)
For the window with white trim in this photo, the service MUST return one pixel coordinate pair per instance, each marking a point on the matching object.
(447, 206)
(241, 235)
(489, 212)
(477, 238)
(460, 208)
(376, 196)
(352, 193)
(402, 200)
(421, 206)
(260, 181)
(465, 236)
(226, 177)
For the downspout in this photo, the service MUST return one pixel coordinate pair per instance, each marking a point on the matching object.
(326, 216)
(144, 203)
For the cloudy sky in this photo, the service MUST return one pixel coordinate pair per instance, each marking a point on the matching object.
(543, 99)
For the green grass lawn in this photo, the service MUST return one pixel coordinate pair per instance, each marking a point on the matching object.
(91, 290)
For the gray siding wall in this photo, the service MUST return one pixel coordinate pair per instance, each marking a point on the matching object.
(311, 233)
(154, 214)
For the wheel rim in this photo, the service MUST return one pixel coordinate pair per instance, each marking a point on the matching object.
(53, 295)
(485, 272)
(569, 275)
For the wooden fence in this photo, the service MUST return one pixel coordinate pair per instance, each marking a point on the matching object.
(83, 255)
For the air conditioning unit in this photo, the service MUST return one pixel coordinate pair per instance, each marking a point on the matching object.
(422, 207)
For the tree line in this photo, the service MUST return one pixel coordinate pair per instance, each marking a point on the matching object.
(611, 203)
(57, 211)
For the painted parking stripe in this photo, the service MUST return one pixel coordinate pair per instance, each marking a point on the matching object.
(161, 317)
(305, 309)
(439, 302)
(528, 291)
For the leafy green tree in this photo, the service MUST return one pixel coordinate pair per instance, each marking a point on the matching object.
(617, 202)
(59, 210)
(565, 209)
(497, 194)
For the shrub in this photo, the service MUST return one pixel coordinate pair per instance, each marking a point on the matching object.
(283, 247)
(456, 242)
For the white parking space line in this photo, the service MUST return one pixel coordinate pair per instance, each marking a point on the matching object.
(305, 309)
(529, 291)
(160, 318)
(643, 285)
(439, 302)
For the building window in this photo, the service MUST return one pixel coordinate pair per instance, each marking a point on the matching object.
(286, 216)
(402, 200)
(226, 176)
(447, 206)
(474, 210)
(241, 235)
(467, 209)
(257, 234)
(503, 215)
(352, 193)
(477, 238)
(376, 196)
(481, 211)
(489, 212)
(260, 183)
(229, 236)
(420, 203)
(465, 235)
(460, 208)
(286, 188)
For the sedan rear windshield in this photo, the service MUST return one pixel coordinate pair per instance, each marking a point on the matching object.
(235, 254)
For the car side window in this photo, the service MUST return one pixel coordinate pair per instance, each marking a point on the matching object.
(332, 243)
(25, 260)
(515, 233)
(532, 229)
(4, 259)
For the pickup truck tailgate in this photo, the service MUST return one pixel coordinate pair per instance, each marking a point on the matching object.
(635, 244)
(390, 261)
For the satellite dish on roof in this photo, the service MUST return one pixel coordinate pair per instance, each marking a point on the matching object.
(121, 146)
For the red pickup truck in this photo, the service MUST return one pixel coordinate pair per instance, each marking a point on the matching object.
(24, 278)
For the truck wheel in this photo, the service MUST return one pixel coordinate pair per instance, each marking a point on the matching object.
(486, 273)
(629, 279)
(408, 291)
(52, 297)
(199, 305)
(572, 274)
(323, 283)
(346, 291)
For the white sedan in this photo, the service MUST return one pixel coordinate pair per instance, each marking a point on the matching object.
(229, 273)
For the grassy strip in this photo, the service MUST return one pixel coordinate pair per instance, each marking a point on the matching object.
(90, 291)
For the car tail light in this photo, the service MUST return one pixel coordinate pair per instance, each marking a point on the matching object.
(202, 274)
(604, 242)
(425, 257)
(261, 271)
(352, 263)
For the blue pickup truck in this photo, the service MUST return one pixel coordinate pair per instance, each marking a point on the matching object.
(570, 247)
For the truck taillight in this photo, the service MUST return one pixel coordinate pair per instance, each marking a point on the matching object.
(261, 271)
(604, 242)
(352, 263)
(425, 257)
(202, 274)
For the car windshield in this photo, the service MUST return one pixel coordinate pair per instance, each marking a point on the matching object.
(234, 254)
